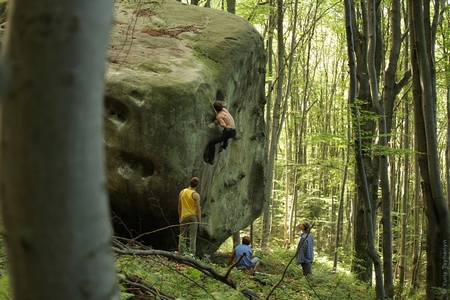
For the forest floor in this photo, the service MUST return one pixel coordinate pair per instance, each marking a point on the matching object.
(277, 277)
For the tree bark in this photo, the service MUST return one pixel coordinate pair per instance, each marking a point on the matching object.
(338, 232)
(406, 185)
(416, 244)
(54, 200)
(364, 189)
(436, 208)
(372, 21)
(362, 264)
(275, 129)
(231, 6)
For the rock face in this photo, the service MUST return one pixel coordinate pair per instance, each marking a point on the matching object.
(168, 62)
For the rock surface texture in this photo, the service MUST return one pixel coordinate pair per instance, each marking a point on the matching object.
(168, 62)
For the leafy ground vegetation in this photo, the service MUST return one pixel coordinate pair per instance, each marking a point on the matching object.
(144, 274)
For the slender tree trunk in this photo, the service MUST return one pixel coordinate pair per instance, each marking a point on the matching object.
(237, 238)
(341, 200)
(286, 95)
(293, 212)
(287, 171)
(54, 201)
(405, 197)
(417, 245)
(270, 86)
(406, 185)
(275, 130)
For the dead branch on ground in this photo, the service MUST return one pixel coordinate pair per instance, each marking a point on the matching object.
(120, 248)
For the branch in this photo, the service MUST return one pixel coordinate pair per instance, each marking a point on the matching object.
(143, 287)
(186, 260)
(235, 264)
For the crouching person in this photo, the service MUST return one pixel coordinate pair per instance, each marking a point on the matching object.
(247, 262)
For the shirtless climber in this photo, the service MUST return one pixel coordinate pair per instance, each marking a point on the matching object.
(224, 119)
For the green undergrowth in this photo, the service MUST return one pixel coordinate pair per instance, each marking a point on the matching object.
(274, 279)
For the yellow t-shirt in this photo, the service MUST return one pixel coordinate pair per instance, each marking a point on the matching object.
(188, 205)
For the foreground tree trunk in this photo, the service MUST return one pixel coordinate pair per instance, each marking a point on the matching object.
(363, 187)
(373, 38)
(362, 263)
(424, 93)
(54, 201)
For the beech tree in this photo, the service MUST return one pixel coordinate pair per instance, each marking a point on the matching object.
(54, 201)
(275, 128)
(364, 187)
(424, 94)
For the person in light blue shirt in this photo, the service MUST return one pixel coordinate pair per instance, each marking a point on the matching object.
(305, 249)
(247, 262)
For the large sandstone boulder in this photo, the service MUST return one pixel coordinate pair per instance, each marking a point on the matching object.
(168, 62)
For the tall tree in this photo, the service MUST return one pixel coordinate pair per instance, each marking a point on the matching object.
(54, 201)
(287, 224)
(275, 128)
(424, 95)
(362, 264)
(405, 198)
(364, 189)
(341, 201)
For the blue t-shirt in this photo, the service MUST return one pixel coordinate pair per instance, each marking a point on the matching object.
(247, 259)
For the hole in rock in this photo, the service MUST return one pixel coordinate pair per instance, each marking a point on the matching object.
(116, 111)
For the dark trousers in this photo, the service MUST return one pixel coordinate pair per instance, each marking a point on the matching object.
(306, 268)
(226, 134)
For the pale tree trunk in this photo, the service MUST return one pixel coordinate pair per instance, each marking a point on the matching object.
(269, 54)
(275, 129)
(287, 174)
(436, 208)
(270, 86)
(359, 157)
(338, 232)
(417, 236)
(405, 197)
(237, 238)
(54, 200)
(288, 147)
(406, 185)
(293, 212)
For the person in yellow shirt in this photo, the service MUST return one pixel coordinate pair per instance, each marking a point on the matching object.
(190, 215)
